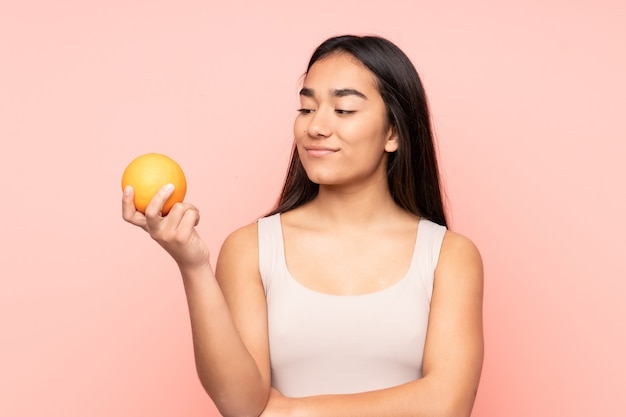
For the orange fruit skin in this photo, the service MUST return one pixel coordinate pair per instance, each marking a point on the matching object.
(148, 173)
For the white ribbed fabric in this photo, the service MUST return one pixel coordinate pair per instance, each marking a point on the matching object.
(332, 344)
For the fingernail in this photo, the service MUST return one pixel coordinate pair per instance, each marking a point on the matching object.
(169, 187)
(127, 190)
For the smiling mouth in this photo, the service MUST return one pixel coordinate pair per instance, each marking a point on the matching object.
(319, 152)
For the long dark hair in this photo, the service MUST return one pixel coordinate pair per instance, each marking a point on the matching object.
(412, 170)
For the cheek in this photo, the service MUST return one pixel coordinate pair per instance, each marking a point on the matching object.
(299, 127)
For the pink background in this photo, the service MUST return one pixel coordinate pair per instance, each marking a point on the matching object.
(528, 105)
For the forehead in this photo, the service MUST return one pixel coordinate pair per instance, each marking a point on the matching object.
(340, 70)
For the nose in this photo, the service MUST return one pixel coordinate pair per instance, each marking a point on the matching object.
(319, 125)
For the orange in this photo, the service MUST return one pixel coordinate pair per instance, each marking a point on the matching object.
(148, 173)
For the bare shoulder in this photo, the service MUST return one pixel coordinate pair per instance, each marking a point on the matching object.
(243, 237)
(460, 258)
(239, 253)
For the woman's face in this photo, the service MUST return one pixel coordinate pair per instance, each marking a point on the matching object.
(341, 132)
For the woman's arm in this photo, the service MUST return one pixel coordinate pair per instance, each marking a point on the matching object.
(453, 354)
(228, 315)
(243, 359)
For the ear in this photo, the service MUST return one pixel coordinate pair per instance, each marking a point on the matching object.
(391, 145)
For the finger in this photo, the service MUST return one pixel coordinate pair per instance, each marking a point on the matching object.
(190, 219)
(128, 205)
(129, 211)
(155, 206)
(176, 214)
(191, 208)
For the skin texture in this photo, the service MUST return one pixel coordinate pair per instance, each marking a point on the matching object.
(343, 140)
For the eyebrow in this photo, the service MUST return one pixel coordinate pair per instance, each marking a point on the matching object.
(339, 92)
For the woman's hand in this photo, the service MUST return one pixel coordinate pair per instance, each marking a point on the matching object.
(176, 232)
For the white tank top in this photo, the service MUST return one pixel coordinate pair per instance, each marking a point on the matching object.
(333, 344)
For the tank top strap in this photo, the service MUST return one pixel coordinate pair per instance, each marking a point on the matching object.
(270, 248)
(427, 248)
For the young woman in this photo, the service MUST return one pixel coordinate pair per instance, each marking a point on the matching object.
(351, 298)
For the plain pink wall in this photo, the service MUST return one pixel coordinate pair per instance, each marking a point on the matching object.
(528, 105)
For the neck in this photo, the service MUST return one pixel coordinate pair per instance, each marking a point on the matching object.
(349, 207)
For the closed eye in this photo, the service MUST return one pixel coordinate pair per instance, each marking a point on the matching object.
(344, 112)
(305, 111)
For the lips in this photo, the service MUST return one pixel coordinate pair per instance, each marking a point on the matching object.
(319, 151)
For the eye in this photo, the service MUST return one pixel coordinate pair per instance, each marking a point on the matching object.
(344, 112)
(305, 111)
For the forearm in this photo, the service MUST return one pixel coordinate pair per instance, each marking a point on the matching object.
(225, 367)
(420, 398)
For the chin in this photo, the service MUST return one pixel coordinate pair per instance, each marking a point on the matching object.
(320, 181)
(320, 176)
